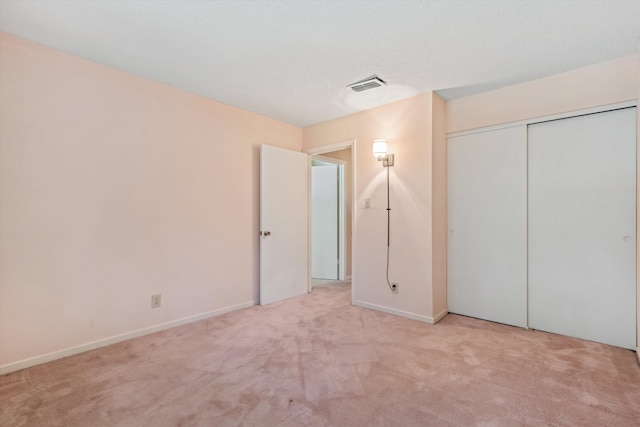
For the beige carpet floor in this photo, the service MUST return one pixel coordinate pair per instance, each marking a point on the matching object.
(316, 360)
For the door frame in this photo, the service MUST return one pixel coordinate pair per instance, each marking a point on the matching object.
(580, 112)
(350, 143)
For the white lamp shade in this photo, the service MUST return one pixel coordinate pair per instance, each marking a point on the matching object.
(380, 148)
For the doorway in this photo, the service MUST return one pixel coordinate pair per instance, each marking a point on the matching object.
(327, 218)
(331, 161)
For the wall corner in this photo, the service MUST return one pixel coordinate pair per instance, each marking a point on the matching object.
(439, 205)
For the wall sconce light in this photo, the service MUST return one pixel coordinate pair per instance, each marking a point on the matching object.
(380, 151)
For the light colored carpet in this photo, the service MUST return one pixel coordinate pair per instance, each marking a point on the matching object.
(319, 282)
(316, 360)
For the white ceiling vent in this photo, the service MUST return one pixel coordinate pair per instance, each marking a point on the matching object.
(370, 82)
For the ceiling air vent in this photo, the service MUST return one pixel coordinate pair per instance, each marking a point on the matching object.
(370, 82)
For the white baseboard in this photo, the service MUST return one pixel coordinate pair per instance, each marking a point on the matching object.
(401, 313)
(37, 360)
(438, 317)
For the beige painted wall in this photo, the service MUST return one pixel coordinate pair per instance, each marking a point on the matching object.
(439, 226)
(407, 126)
(114, 188)
(345, 155)
(597, 85)
(601, 84)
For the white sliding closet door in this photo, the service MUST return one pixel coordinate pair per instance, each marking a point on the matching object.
(582, 227)
(487, 208)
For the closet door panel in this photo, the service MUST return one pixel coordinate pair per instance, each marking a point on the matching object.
(582, 227)
(487, 225)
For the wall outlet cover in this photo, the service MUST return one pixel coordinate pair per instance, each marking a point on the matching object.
(156, 300)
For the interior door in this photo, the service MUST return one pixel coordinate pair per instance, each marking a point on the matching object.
(324, 221)
(284, 231)
(487, 221)
(582, 227)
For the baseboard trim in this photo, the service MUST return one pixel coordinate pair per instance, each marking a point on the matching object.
(401, 313)
(38, 360)
(440, 316)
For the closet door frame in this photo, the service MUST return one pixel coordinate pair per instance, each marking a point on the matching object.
(532, 121)
(592, 110)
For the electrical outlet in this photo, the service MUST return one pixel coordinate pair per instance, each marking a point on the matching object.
(156, 300)
(394, 288)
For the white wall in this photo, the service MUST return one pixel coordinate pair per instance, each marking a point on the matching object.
(114, 188)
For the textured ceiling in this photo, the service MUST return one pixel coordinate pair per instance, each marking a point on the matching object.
(291, 60)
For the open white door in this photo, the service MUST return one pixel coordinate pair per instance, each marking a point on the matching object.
(284, 215)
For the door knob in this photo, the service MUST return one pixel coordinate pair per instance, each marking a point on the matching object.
(265, 233)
